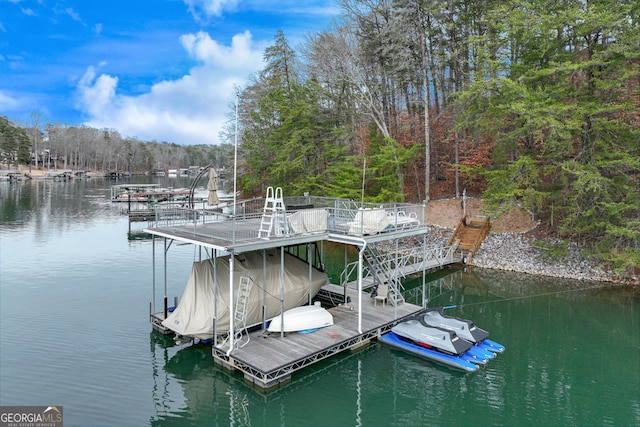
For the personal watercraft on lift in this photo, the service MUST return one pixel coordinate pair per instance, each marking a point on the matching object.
(463, 328)
(438, 337)
(430, 337)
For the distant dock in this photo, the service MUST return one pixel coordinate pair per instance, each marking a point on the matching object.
(52, 174)
(145, 193)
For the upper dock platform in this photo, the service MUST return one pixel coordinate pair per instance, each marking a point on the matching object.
(256, 224)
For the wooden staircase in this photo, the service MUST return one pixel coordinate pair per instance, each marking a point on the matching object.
(470, 234)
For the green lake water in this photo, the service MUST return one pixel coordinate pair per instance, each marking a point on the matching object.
(75, 287)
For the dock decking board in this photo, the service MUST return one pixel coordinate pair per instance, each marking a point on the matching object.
(268, 359)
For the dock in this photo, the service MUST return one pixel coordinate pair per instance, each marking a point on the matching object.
(142, 202)
(267, 360)
(145, 193)
(13, 175)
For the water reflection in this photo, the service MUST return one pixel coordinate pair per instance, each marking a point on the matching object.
(50, 206)
(208, 391)
(184, 380)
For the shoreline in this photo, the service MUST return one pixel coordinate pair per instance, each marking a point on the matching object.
(515, 252)
(510, 251)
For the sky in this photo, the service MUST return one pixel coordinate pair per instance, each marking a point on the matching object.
(163, 70)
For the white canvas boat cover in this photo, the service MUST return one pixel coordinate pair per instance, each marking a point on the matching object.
(308, 220)
(194, 315)
(369, 221)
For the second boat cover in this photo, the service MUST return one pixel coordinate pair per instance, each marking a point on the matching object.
(194, 314)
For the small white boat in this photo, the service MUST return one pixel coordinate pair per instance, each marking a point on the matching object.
(301, 319)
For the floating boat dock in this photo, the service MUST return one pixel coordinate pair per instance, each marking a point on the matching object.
(300, 223)
(145, 193)
(13, 175)
(267, 360)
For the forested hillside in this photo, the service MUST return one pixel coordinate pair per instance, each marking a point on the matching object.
(534, 103)
(58, 146)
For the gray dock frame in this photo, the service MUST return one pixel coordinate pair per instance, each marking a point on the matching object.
(268, 360)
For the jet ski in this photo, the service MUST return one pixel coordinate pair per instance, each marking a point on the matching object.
(445, 339)
(430, 337)
(463, 328)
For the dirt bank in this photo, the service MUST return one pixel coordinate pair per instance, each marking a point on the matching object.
(511, 244)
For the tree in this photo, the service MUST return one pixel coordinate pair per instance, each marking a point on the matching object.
(555, 98)
(14, 143)
(36, 119)
(385, 168)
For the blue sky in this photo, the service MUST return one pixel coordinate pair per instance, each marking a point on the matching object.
(160, 70)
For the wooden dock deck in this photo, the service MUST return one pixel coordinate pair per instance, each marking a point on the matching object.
(268, 360)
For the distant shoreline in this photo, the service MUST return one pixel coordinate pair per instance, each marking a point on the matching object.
(508, 251)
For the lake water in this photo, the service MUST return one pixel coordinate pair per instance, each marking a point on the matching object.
(75, 288)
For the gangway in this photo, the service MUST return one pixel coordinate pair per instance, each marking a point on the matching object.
(389, 266)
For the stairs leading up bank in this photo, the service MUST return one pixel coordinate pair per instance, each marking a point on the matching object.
(470, 234)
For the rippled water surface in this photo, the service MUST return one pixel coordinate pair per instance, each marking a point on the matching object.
(75, 288)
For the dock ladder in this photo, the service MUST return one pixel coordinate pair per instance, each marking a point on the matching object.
(274, 216)
(242, 302)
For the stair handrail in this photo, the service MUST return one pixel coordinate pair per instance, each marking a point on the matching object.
(385, 265)
(462, 222)
(348, 271)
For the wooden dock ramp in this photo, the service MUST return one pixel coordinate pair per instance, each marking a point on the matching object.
(469, 234)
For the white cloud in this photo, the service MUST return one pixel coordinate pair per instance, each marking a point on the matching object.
(98, 95)
(188, 110)
(235, 57)
(209, 7)
(7, 102)
(73, 14)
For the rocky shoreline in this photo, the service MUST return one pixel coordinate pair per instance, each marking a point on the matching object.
(516, 252)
